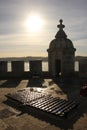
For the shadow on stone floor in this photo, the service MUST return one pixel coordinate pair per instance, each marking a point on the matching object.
(71, 87)
(44, 116)
(62, 123)
(6, 113)
(10, 83)
(35, 82)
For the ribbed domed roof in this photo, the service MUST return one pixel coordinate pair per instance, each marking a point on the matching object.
(61, 40)
(61, 43)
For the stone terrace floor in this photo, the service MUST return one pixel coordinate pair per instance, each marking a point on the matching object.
(12, 118)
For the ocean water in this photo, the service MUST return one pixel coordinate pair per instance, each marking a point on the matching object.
(44, 66)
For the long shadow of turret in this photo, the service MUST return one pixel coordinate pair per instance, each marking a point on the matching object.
(69, 85)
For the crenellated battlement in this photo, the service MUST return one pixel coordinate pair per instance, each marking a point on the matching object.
(17, 69)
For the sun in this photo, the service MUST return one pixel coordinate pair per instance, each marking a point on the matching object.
(34, 23)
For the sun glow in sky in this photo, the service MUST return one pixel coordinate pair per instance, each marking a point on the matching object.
(28, 26)
(34, 23)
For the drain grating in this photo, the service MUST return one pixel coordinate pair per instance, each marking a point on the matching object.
(46, 103)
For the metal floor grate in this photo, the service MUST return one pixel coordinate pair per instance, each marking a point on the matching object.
(40, 101)
(25, 96)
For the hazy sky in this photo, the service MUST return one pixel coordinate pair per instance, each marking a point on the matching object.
(17, 40)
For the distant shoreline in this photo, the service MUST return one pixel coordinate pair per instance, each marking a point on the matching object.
(28, 58)
(24, 58)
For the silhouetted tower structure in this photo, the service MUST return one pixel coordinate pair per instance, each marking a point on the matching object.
(61, 53)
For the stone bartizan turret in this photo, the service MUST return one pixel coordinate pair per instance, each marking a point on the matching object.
(61, 53)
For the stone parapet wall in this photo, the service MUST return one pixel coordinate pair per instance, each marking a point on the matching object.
(17, 70)
(3, 67)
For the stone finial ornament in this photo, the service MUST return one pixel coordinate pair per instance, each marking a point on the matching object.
(61, 26)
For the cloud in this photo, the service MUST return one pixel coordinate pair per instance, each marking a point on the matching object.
(81, 43)
(14, 12)
(81, 47)
(23, 50)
